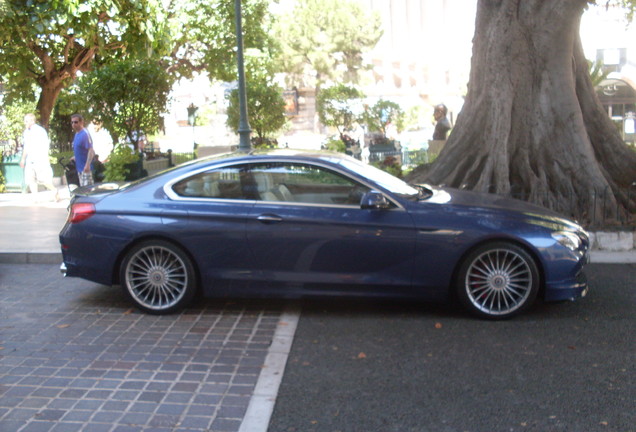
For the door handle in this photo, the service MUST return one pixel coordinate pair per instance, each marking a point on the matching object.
(268, 218)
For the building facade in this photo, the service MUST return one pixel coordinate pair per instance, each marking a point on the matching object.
(609, 39)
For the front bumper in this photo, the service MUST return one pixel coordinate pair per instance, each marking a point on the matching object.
(568, 290)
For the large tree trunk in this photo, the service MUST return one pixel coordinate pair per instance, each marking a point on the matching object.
(54, 77)
(50, 91)
(532, 126)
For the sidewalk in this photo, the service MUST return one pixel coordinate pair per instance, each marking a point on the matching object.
(30, 227)
(106, 387)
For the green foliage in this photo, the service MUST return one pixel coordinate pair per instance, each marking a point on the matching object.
(58, 170)
(335, 145)
(318, 36)
(201, 35)
(420, 157)
(391, 165)
(3, 182)
(12, 123)
(69, 102)
(336, 104)
(265, 107)
(128, 96)
(383, 114)
(117, 167)
(48, 42)
(415, 118)
(628, 5)
(205, 114)
(596, 72)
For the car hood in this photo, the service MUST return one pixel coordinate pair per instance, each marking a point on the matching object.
(477, 201)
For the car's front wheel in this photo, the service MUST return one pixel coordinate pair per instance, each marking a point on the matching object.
(498, 281)
(158, 276)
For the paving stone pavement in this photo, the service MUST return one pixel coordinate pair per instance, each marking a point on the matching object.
(74, 356)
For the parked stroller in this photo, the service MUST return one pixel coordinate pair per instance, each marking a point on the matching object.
(99, 170)
(70, 173)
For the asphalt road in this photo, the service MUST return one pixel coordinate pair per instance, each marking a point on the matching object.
(378, 366)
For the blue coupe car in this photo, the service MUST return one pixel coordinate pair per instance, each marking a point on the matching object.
(291, 224)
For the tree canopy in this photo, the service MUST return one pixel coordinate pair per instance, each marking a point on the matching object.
(265, 105)
(128, 96)
(200, 35)
(383, 114)
(327, 41)
(336, 107)
(48, 44)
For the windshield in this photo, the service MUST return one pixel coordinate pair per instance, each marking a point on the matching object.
(382, 178)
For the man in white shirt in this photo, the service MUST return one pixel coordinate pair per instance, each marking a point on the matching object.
(35, 156)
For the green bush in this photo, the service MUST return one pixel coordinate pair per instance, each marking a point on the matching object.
(335, 145)
(55, 156)
(117, 167)
(391, 165)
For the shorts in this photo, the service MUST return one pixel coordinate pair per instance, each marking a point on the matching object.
(42, 174)
(85, 178)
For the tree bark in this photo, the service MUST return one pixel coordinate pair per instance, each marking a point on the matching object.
(531, 125)
(50, 90)
(54, 78)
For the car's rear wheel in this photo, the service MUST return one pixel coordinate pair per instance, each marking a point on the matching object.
(158, 276)
(498, 281)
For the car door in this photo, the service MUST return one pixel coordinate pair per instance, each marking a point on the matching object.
(307, 226)
(218, 202)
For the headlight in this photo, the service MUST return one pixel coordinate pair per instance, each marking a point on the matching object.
(568, 239)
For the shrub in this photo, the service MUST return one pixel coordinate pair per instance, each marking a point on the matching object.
(391, 165)
(118, 165)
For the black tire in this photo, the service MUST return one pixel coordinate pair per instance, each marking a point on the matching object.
(498, 281)
(158, 277)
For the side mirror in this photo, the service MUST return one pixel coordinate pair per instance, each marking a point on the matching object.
(374, 200)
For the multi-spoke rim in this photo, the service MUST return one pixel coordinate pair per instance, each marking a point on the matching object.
(156, 277)
(499, 281)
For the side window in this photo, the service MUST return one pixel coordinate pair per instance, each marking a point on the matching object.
(304, 183)
(218, 183)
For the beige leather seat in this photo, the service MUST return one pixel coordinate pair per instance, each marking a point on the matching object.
(265, 186)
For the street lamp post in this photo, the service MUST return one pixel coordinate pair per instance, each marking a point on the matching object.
(244, 126)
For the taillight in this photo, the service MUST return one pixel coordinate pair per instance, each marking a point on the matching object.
(80, 212)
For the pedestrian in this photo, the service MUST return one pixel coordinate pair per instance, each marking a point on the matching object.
(82, 150)
(102, 141)
(35, 156)
(443, 125)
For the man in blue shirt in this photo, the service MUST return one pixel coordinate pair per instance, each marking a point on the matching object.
(83, 150)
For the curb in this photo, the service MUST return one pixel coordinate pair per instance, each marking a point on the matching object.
(30, 257)
(261, 406)
(619, 241)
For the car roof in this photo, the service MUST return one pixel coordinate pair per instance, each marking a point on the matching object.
(297, 154)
